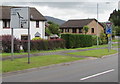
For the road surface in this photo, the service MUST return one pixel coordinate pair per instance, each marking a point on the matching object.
(97, 70)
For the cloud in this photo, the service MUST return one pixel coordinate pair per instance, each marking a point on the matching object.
(71, 10)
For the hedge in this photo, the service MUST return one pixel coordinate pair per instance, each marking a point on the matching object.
(44, 44)
(77, 40)
(6, 43)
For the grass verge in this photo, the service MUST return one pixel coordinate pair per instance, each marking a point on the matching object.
(32, 52)
(94, 53)
(39, 61)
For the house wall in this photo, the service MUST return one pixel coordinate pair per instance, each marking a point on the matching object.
(93, 24)
(19, 32)
(1, 27)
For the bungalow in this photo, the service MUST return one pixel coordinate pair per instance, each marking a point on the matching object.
(37, 24)
(76, 26)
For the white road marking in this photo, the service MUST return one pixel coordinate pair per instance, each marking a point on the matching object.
(97, 74)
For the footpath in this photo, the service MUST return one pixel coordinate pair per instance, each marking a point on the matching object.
(54, 53)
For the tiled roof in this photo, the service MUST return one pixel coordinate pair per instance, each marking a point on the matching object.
(77, 23)
(34, 13)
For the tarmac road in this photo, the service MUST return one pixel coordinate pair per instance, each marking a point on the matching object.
(97, 70)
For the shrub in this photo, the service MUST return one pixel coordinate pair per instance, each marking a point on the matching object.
(44, 44)
(101, 40)
(77, 40)
(37, 38)
(6, 44)
(103, 37)
(24, 44)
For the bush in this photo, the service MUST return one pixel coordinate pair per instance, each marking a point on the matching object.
(6, 44)
(44, 44)
(103, 37)
(37, 38)
(77, 40)
(94, 41)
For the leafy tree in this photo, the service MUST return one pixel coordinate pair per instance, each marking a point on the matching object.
(53, 28)
(85, 29)
(115, 19)
(117, 30)
(47, 31)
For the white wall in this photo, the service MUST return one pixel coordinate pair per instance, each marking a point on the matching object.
(19, 32)
(1, 27)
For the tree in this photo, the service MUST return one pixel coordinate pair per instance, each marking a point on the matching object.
(85, 29)
(53, 28)
(115, 19)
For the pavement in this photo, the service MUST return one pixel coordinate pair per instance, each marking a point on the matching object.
(98, 70)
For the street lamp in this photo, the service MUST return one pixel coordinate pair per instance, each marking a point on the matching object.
(97, 25)
(97, 22)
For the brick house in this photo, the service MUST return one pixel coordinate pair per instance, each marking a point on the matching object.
(76, 26)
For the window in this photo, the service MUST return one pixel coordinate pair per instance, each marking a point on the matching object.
(37, 24)
(80, 30)
(37, 34)
(66, 30)
(92, 30)
(24, 37)
(74, 30)
(6, 24)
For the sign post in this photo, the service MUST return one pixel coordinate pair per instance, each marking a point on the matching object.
(20, 18)
(12, 44)
(109, 34)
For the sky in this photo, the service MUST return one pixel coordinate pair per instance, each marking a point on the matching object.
(69, 9)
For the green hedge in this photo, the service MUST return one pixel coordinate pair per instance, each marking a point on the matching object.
(77, 40)
(44, 44)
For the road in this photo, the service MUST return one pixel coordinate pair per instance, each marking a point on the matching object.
(97, 70)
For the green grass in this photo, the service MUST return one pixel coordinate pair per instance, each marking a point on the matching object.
(32, 52)
(115, 40)
(94, 53)
(38, 61)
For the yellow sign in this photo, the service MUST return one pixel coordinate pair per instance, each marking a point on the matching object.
(109, 35)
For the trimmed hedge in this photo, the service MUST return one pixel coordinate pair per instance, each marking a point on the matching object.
(6, 43)
(77, 40)
(44, 44)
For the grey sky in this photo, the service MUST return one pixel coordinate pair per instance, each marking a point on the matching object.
(71, 10)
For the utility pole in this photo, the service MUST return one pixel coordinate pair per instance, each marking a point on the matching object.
(97, 26)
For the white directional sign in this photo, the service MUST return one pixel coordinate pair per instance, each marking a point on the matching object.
(108, 28)
(19, 17)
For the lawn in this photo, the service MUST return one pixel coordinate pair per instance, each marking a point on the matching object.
(115, 40)
(94, 53)
(32, 52)
(38, 61)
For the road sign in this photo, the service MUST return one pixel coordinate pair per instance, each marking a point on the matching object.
(108, 28)
(19, 17)
(109, 35)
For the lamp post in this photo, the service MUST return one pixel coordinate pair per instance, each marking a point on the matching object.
(97, 25)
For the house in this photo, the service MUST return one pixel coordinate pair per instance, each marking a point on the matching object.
(76, 26)
(37, 24)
